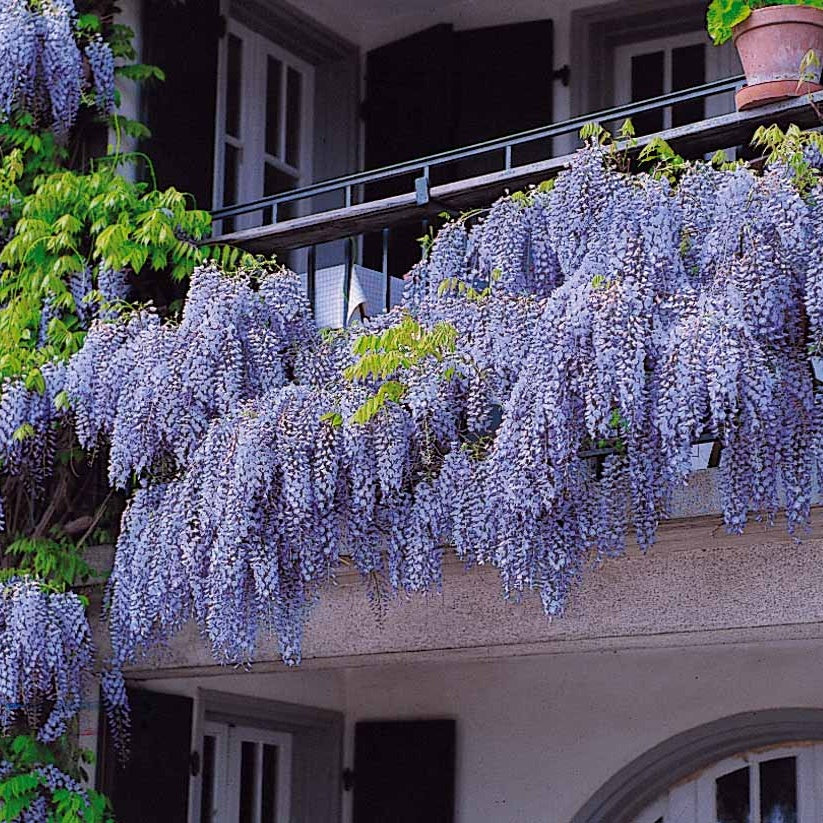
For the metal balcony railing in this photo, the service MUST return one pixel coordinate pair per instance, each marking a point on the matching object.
(348, 208)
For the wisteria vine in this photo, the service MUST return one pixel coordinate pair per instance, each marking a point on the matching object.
(602, 326)
(46, 657)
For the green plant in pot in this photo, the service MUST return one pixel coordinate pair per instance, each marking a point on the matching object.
(780, 43)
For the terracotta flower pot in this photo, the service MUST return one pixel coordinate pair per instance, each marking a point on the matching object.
(772, 43)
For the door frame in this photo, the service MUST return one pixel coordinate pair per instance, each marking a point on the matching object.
(317, 737)
(651, 775)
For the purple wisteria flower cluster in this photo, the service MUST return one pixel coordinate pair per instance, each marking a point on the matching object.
(28, 430)
(602, 326)
(46, 656)
(41, 63)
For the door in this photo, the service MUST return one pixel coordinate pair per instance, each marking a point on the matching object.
(650, 68)
(246, 775)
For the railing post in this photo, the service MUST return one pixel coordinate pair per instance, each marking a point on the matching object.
(311, 277)
(347, 279)
(386, 266)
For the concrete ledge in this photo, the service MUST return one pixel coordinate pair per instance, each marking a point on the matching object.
(698, 586)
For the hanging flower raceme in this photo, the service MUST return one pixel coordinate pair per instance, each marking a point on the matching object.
(46, 656)
(41, 63)
(28, 423)
(599, 329)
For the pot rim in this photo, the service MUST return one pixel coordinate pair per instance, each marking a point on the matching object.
(775, 15)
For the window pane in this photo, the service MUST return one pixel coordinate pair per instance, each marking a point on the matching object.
(778, 790)
(647, 81)
(235, 61)
(276, 182)
(688, 70)
(231, 161)
(207, 810)
(247, 782)
(274, 78)
(732, 793)
(269, 801)
(294, 92)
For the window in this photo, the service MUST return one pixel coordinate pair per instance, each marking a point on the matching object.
(264, 123)
(776, 785)
(650, 68)
(246, 775)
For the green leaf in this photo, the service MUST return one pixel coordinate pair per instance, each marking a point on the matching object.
(723, 15)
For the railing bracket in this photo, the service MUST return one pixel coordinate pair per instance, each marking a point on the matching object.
(421, 190)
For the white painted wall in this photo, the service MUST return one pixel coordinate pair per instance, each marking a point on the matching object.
(537, 736)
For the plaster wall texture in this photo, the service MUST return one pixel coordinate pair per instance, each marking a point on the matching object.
(538, 735)
(697, 586)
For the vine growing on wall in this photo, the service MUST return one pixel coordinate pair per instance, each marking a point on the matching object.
(535, 400)
(79, 239)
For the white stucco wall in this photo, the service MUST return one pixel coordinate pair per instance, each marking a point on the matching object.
(537, 736)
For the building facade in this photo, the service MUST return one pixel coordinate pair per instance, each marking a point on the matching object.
(683, 685)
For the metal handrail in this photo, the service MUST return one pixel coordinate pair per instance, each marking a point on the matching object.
(346, 183)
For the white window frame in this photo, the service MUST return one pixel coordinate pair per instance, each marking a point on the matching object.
(227, 762)
(693, 801)
(252, 142)
(721, 62)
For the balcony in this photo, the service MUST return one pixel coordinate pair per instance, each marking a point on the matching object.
(349, 208)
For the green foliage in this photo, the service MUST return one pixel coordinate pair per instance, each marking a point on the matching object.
(619, 424)
(57, 560)
(723, 15)
(619, 145)
(525, 198)
(790, 147)
(25, 783)
(663, 159)
(382, 357)
(461, 287)
(71, 223)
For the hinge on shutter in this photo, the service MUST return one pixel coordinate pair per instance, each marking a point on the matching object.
(562, 74)
(348, 780)
(194, 763)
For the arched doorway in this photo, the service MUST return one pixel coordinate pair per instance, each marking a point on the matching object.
(756, 767)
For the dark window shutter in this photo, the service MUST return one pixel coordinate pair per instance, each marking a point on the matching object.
(404, 771)
(182, 39)
(409, 112)
(504, 85)
(153, 786)
(442, 89)
(409, 107)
